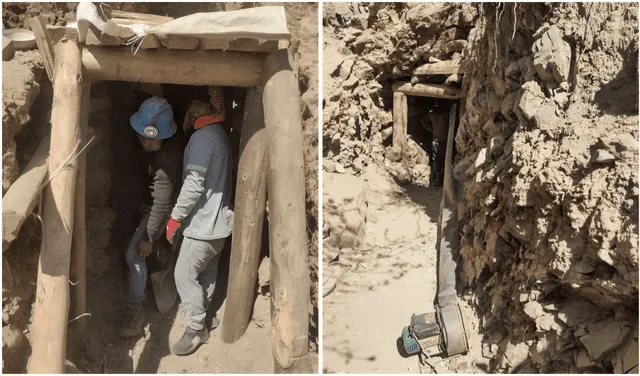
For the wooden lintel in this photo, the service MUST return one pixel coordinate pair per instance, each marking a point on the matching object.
(197, 67)
(442, 67)
(132, 17)
(427, 90)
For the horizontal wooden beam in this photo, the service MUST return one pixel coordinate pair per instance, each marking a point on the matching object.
(215, 68)
(132, 17)
(427, 90)
(442, 67)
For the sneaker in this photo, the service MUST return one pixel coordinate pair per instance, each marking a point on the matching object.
(190, 341)
(132, 321)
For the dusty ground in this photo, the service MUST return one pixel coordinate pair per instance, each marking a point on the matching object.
(388, 278)
(98, 349)
(545, 167)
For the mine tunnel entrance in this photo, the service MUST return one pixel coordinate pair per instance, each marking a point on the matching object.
(117, 187)
(422, 114)
(427, 125)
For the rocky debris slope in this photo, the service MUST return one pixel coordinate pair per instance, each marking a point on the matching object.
(548, 171)
(546, 162)
(365, 48)
(20, 88)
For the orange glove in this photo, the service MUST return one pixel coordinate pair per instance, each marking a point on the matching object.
(172, 228)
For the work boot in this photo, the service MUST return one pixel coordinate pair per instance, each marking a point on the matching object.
(190, 341)
(132, 321)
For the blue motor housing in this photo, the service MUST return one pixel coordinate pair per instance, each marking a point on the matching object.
(411, 346)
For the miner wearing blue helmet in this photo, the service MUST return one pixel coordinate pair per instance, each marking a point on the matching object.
(155, 128)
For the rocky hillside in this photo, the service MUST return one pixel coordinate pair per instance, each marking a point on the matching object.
(546, 162)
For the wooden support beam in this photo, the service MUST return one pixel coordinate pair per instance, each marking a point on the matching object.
(43, 39)
(51, 306)
(250, 203)
(427, 90)
(79, 241)
(199, 67)
(442, 67)
(132, 17)
(290, 282)
(7, 48)
(180, 42)
(400, 118)
(57, 33)
(240, 44)
(23, 195)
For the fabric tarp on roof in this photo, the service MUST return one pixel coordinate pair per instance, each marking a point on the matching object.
(260, 23)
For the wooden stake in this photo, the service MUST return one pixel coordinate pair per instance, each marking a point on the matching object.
(251, 196)
(24, 194)
(79, 242)
(427, 90)
(39, 28)
(400, 122)
(290, 285)
(49, 330)
(215, 68)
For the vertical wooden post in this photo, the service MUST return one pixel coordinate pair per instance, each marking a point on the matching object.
(79, 241)
(400, 116)
(49, 330)
(290, 284)
(250, 203)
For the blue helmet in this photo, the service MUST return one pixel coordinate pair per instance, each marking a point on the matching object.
(154, 119)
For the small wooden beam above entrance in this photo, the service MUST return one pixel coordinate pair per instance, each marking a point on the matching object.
(427, 90)
(215, 68)
(441, 67)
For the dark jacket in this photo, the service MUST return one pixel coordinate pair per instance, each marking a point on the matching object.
(165, 169)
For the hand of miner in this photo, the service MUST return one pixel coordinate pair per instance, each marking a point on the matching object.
(144, 248)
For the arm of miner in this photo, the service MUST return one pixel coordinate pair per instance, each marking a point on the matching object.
(197, 163)
(162, 193)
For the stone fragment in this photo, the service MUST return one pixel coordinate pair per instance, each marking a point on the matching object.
(541, 30)
(340, 168)
(515, 355)
(603, 156)
(495, 145)
(482, 159)
(576, 311)
(602, 338)
(626, 356)
(345, 68)
(328, 165)
(552, 56)
(545, 117)
(531, 100)
(350, 83)
(386, 133)
(583, 360)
